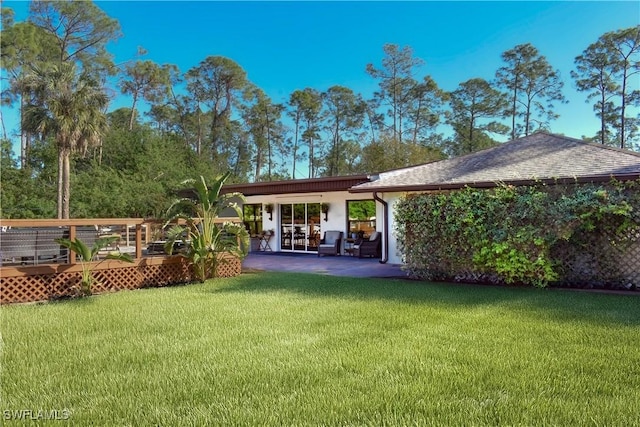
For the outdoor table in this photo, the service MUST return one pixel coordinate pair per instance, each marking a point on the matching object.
(348, 245)
(264, 242)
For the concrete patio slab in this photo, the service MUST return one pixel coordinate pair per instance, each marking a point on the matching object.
(330, 265)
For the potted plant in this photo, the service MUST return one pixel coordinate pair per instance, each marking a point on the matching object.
(269, 209)
(324, 207)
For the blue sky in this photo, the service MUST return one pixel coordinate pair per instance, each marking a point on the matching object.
(284, 46)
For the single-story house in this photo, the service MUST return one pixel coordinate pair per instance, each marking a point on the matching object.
(292, 212)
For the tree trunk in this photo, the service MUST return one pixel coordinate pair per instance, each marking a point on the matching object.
(4, 129)
(472, 122)
(400, 114)
(311, 154)
(417, 121)
(60, 181)
(295, 147)
(311, 159)
(269, 148)
(514, 108)
(199, 137)
(258, 162)
(66, 185)
(527, 118)
(336, 142)
(24, 141)
(133, 112)
(603, 120)
(622, 108)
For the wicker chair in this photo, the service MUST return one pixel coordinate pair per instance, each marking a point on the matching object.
(331, 243)
(371, 247)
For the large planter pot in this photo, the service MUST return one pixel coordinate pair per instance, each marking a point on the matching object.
(255, 244)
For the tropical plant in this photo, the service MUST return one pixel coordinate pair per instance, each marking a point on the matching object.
(206, 237)
(88, 255)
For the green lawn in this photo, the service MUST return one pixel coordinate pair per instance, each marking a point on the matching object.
(297, 349)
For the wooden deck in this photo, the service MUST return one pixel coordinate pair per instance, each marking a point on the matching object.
(27, 275)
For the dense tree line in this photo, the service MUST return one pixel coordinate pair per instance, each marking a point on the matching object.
(209, 119)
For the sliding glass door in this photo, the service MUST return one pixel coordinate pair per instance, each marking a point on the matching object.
(300, 227)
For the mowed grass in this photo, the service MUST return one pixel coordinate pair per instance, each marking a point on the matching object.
(298, 349)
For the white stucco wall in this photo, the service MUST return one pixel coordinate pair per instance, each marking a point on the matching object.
(336, 218)
(394, 256)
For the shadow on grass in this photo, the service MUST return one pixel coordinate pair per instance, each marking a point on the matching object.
(552, 304)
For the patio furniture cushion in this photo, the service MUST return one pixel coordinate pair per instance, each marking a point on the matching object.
(331, 243)
(371, 247)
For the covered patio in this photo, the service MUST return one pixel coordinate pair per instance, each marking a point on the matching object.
(311, 263)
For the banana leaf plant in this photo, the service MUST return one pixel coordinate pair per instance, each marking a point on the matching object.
(88, 255)
(205, 236)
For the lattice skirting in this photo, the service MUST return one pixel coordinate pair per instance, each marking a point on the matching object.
(38, 283)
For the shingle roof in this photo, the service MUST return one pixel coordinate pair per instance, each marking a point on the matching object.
(538, 157)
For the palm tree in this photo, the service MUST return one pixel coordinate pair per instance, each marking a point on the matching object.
(69, 107)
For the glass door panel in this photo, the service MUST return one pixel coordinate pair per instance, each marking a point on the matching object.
(313, 225)
(299, 227)
(286, 227)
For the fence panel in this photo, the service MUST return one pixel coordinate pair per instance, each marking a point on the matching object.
(37, 283)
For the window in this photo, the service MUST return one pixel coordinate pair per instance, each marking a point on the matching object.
(362, 217)
(253, 218)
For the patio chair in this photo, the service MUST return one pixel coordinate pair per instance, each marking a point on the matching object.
(331, 243)
(369, 247)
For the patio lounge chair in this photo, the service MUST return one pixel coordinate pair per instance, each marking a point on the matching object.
(331, 243)
(369, 247)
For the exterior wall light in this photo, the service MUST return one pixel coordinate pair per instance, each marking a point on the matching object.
(325, 210)
(269, 209)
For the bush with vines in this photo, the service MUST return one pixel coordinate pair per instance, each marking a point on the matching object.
(509, 234)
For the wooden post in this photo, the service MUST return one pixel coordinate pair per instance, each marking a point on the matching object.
(138, 240)
(72, 237)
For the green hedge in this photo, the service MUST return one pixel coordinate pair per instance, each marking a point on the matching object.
(510, 234)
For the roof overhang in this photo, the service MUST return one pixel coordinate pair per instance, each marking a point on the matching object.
(493, 184)
(312, 185)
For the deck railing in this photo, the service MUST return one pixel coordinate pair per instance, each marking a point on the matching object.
(35, 267)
